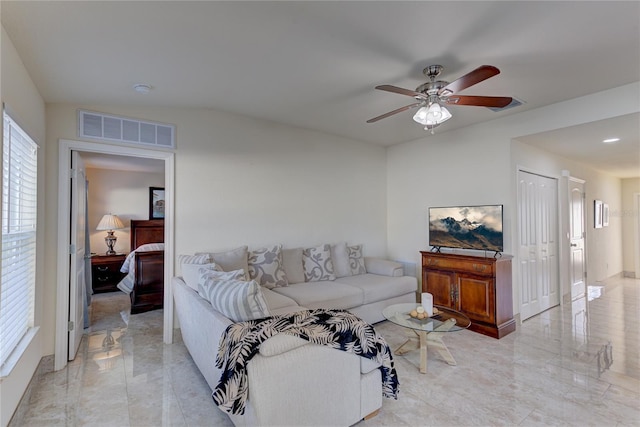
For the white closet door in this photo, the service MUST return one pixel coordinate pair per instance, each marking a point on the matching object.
(537, 243)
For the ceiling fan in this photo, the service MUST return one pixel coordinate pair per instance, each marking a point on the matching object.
(432, 96)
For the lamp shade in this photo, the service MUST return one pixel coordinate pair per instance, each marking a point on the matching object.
(110, 222)
(432, 114)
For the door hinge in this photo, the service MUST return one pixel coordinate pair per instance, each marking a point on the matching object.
(72, 249)
(71, 325)
(73, 173)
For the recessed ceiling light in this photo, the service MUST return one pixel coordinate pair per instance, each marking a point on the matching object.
(611, 140)
(142, 87)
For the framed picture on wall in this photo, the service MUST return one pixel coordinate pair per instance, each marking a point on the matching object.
(597, 213)
(156, 202)
(605, 215)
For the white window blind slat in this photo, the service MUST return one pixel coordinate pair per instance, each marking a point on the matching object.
(19, 224)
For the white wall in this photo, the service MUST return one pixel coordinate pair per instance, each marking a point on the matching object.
(473, 165)
(27, 107)
(123, 193)
(629, 217)
(241, 181)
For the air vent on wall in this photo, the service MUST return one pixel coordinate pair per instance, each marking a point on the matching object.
(123, 129)
(514, 103)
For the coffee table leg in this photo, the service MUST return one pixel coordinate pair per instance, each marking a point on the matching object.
(423, 351)
(399, 351)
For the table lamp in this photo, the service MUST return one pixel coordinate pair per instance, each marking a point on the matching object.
(110, 223)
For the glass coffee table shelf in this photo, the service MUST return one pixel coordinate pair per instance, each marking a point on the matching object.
(429, 331)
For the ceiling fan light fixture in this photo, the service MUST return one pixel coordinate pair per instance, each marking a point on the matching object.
(432, 114)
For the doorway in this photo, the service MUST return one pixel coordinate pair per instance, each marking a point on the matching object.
(537, 243)
(66, 147)
(577, 235)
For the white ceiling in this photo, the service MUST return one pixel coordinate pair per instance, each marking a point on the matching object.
(314, 64)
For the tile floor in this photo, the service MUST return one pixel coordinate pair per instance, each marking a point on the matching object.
(578, 364)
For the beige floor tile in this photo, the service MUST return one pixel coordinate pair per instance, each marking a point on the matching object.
(551, 371)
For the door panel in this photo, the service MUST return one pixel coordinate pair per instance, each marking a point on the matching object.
(538, 245)
(577, 239)
(77, 285)
(440, 285)
(477, 298)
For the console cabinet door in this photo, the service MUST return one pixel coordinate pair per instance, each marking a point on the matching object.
(477, 297)
(442, 285)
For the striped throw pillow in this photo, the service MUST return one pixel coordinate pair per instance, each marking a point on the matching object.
(236, 299)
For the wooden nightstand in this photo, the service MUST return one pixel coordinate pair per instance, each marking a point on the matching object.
(105, 272)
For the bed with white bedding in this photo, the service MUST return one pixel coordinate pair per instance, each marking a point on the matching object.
(144, 266)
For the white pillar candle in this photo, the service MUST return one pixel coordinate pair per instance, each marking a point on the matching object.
(427, 303)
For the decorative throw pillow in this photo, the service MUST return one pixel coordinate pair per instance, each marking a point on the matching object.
(356, 260)
(340, 259)
(235, 259)
(236, 299)
(192, 259)
(265, 267)
(292, 262)
(317, 264)
(191, 273)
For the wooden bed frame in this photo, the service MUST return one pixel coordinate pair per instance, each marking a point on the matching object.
(148, 289)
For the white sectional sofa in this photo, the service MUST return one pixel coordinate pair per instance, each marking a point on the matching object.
(292, 381)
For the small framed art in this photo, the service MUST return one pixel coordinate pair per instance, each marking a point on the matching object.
(156, 202)
(597, 213)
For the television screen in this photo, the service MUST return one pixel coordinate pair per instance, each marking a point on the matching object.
(466, 227)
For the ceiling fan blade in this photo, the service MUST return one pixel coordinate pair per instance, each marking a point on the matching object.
(401, 91)
(476, 76)
(391, 113)
(480, 101)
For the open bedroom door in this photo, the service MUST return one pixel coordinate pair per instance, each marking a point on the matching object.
(77, 285)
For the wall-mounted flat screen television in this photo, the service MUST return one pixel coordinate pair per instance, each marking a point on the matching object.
(466, 227)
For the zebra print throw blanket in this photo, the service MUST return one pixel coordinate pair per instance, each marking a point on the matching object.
(337, 329)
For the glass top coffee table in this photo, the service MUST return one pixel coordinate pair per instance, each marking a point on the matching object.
(429, 330)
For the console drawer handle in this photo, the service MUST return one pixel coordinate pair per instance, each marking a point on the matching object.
(103, 268)
(432, 261)
(479, 267)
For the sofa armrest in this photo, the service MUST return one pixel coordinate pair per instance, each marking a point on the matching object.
(281, 343)
(383, 267)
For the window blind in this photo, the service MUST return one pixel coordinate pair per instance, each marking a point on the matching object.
(19, 221)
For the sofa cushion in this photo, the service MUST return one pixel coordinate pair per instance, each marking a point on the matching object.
(265, 266)
(377, 288)
(317, 264)
(328, 294)
(275, 300)
(235, 259)
(356, 260)
(292, 261)
(340, 258)
(236, 299)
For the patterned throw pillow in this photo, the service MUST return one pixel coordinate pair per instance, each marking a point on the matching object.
(236, 299)
(356, 260)
(317, 264)
(266, 267)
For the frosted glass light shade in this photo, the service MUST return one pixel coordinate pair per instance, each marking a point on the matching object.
(110, 222)
(432, 114)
